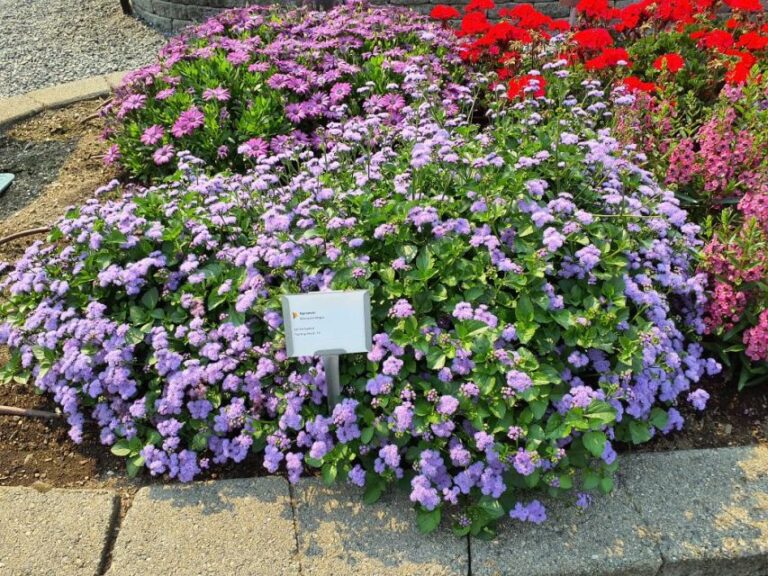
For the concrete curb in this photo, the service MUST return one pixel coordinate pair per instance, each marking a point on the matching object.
(682, 513)
(19, 107)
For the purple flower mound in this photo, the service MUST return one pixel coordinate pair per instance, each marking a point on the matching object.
(156, 313)
(263, 79)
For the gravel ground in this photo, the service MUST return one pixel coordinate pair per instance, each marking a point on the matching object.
(47, 42)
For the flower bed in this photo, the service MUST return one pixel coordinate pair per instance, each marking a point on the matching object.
(537, 295)
(252, 82)
(533, 301)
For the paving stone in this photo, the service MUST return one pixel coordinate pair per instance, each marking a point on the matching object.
(607, 539)
(340, 535)
(69, 92)
(230, 527)
(17, 108)
(708, 509)
(56, 532)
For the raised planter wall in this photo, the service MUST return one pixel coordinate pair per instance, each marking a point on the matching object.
(174, 15)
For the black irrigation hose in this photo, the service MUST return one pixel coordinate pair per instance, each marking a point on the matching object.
(18, 235)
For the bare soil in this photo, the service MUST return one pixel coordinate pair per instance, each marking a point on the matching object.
(57, 159)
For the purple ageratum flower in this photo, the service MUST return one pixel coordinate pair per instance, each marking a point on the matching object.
(698, 399)
(219, 94)
(163, 155)
(401, 309)
(519, 381)
(422, 492)
(483, 315)
(380, 384)
(392, 366)
(254, 148)
(483, 441)
(553, 239)
(609, 454)
(402, 417)
(188, 121)
(447, 405)
(463, 311)
(523, 462)
(356, 476)
(533, 512)
(589, 257)
(152, 135)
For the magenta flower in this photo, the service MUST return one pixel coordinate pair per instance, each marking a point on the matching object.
(165, 93)
(152, 135)
(112, 155)
(189, 121)
(220, 94)
(253, 148)
(163, 155)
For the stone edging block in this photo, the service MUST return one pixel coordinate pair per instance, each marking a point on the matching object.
(19, 107)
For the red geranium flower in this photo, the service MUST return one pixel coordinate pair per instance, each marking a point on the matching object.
(629, 17)
(526, 16)
(517, 86)
(634, 84)
(740, 71)
(593, 38)
(443, 12)
(716, 40)
(745, 5)
(506, 32)
(476, 5)
(597, 9)
(608, 57)
(753, 41)
(672, 62)
(474, 23)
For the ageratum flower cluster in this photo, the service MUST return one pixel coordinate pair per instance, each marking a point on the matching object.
(532, 303)
(260, 80)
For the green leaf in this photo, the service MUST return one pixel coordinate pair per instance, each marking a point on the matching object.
(134, 336)
(524, 309)
(659, 418)
(150, 298)
(367, 435)
(428, 520)
(606, 485)
(594, 442)
(121, 448)
(134, 465)
(435, 359)
(639, 432)
(372, 493)
(329, 474)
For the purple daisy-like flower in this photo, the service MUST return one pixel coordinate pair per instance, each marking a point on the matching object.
(189, 121)
(253, 148)
(152, 135)
(219, 94)
(163, 155)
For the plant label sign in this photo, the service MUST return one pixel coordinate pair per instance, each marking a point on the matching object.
(327, 323)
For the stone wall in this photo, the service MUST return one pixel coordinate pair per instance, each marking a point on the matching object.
(173, 15)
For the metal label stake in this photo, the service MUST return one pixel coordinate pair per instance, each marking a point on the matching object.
(332, 379)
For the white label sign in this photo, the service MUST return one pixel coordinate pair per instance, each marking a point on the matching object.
(327, 323)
